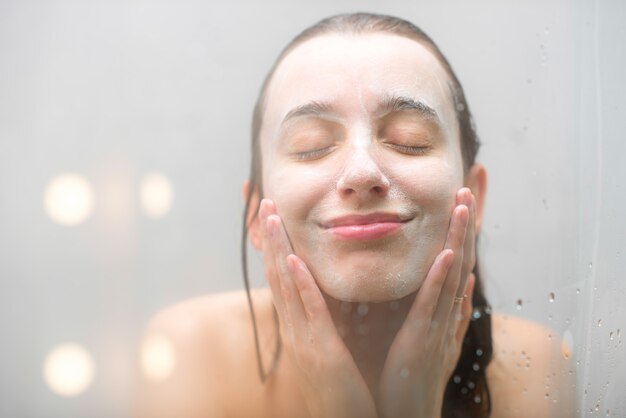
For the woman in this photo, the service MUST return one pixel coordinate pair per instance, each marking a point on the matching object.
(365, 200)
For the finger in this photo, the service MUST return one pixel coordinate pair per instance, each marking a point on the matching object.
(456, 237)
(288, 290)
(421, 313)
(418, 322)
(466, 309)
(269, 264)
(469, 252)
(315, 307)
(465, 197)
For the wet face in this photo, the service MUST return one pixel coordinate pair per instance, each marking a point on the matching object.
(361, 155)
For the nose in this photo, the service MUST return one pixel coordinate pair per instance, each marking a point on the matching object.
(362, 178)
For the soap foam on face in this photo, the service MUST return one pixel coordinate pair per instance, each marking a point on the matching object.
(307, 193)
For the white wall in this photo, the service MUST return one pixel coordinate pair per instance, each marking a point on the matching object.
(113, 90)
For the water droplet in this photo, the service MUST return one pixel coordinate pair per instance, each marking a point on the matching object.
(518, 305)
(404, 373)
(549, 317)
(546, 31)
(549, 336)
(551, 297)
(590, 265)
(476, 314)
(460, 107)
(599, 322)
(479, 352)
(394, 305)
(529, 81)
(476, 367)
(618, 333)
(577, 291)
(487, 310)
(464, 390)
(362, 309)
(471, 384)
(363, 329)
(611, 335)
(547, 395)
(456, 379)
(477, 399)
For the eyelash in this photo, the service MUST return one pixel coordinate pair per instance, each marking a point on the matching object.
(410, 150)
(312, 155)
(318, 153)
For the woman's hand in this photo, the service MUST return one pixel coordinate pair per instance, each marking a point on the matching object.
(326, 372)
(426, 349)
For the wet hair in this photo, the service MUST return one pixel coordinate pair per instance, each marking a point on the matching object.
(467, 392)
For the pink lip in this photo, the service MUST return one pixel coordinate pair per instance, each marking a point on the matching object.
(365, 227)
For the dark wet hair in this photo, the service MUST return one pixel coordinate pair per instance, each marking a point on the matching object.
(467, 392)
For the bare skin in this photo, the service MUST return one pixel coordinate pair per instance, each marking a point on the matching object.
(369, 327)
(216, 370)
(329, 366)
(401, 366)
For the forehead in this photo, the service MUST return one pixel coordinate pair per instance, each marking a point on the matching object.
(354, 72)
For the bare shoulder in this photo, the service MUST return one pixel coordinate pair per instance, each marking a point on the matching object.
(531, 372)
(194, 353)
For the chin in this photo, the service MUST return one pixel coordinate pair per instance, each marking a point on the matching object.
(370, 285)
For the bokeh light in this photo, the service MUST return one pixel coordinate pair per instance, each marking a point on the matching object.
(68, 199)
(158, 357)
(68, 369)
(157, 195)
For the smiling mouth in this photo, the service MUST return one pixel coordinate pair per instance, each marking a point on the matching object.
(365, 227)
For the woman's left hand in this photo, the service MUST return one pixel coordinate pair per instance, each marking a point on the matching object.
(426, 349)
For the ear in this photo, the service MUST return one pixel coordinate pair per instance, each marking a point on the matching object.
(252, 218)
(476, 180)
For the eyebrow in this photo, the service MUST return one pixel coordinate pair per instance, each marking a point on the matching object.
(313, 108)
(388, 105)
(399, 103)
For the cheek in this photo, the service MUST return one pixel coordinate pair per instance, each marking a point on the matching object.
(295, 191)
(431, 182)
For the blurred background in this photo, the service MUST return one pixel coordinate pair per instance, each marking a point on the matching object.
(124, 142)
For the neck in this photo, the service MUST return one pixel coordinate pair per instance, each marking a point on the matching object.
(368, 329)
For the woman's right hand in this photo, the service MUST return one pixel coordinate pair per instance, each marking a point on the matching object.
(327, 374)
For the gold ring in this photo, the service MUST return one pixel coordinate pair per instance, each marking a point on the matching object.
(460, 299)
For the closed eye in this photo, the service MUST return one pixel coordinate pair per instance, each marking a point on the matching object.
(405, 149)
(312, 155)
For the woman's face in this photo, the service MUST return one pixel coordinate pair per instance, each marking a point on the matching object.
(361, 156)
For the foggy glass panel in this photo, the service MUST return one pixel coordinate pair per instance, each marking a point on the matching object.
(124, 143)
